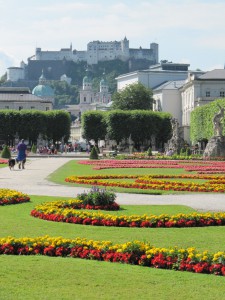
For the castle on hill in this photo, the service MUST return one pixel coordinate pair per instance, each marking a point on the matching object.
(100, 51)
(56, 62)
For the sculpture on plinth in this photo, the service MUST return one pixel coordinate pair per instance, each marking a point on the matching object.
(217, 122)
(216, 145)
(176, 142)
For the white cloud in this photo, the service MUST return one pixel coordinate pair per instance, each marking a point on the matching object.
(6, 60)
(182, 27)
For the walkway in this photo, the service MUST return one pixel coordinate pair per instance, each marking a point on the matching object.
(34, 181)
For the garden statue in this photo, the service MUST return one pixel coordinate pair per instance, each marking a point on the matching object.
(216, 145)
(217, 122)
(176, 142)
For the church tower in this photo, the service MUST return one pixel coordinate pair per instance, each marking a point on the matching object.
(87, 95)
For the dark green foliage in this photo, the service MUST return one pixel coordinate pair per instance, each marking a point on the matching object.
(58, 125)
(94, 153)
(65, 93)
(34, 148)
(134, 96)
(118, 125)
(6, 152)
(94, 125)
(97, 196)
(149, 152)
(202, 121)
(28, 124)
(140, 125)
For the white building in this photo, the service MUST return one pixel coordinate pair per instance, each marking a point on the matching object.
(90, 100)
(16, 73)
(168, 98)
(100, 51)
(155, 75)
(200, 90)
(180, 98)
(21, 98)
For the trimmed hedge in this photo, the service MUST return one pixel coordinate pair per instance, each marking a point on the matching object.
(202, 121)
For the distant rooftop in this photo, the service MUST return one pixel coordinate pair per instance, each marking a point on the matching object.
(170, 66)
(213, 75)
(14, 90)
(170, 85)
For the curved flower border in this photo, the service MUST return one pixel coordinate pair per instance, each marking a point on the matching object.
(152, 182)
(63, 211)
(136, 253)
(188, 165)
(8, 197)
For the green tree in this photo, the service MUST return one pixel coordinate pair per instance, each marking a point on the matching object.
(94, 125)
(118, 125)
(6, 152)
(65, 93)
(134, 96)
(58, 125)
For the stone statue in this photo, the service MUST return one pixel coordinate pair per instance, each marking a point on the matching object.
(217, 122)
(175, 127)
(216, 145)
(176, 142)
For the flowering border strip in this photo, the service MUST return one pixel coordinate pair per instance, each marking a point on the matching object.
(3, 161)
(203, 166)
(61, 211)
(8, 197)
(135, 253)
(151, 182)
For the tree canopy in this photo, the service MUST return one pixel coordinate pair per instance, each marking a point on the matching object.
(134, 96)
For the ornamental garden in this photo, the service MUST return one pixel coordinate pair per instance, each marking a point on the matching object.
(138, 243)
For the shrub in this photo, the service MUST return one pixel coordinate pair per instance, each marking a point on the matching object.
(149, 152)
(94, 153)
(34, 148)
(6, 152)
(97, 197)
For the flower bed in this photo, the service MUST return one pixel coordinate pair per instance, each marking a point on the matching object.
(12, 197)
(136, 253)
(67, 211)
(3, 161)
(198, 166)
(152, 182)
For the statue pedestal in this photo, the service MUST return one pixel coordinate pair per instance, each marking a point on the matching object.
(215, 147)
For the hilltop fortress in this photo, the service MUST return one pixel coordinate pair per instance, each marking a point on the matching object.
(54, 62)
(100, 51)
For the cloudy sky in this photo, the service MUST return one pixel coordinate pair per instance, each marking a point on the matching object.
(189, 31)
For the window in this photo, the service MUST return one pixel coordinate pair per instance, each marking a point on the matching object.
(32, 107)
(20, 107)
(47, 108)
(222, 94)
(6, 107)
(207, 94)
(84, 99)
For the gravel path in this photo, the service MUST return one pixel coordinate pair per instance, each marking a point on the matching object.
(34, 181)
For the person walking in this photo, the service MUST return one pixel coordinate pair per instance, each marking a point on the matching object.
(21, 156)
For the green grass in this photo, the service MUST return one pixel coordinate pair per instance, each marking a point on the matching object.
(40, 277)
(74, 168)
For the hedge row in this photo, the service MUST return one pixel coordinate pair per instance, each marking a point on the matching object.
(139, 125)
(28, 124)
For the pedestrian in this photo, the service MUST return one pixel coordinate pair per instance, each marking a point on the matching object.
(21, 156)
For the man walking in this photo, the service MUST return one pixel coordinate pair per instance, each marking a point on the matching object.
(21, 156)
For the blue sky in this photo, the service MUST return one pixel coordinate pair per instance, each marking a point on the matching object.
(188, 31)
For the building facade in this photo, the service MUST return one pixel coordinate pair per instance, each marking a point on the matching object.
(154, 76)
(180, 98)
(21, 98)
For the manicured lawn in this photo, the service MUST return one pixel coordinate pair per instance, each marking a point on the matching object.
(38, 277)
(74, 168)
(42, 277)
